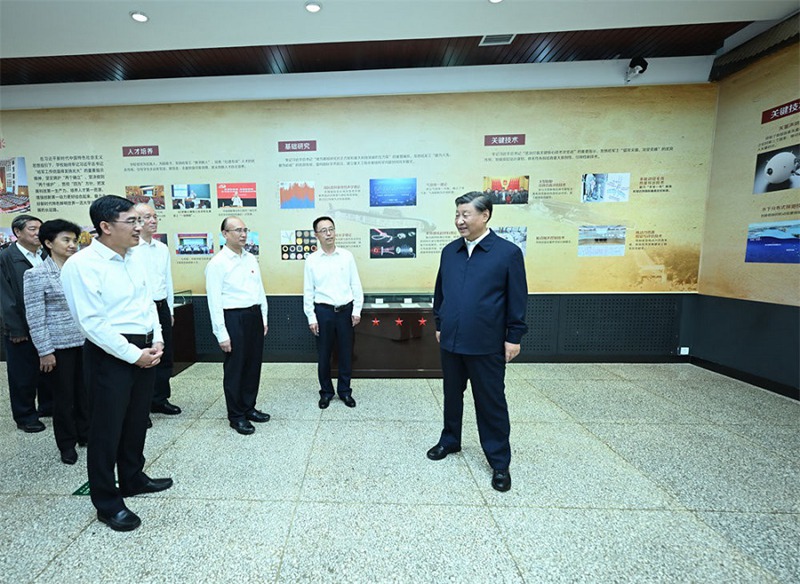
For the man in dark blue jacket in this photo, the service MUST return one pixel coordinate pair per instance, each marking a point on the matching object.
(479, 306)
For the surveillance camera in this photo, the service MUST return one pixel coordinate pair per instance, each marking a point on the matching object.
(636, 67)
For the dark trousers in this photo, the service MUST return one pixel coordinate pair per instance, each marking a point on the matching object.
(162, 390)
(242, 365)
(334, 327)
(70, 399)
(24, 382)
(119, 396)
(486, 374)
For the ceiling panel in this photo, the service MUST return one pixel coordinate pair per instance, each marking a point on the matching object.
(550, 47)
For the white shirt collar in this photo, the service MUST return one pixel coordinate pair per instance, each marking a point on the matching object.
(471, 244)
(32, 256)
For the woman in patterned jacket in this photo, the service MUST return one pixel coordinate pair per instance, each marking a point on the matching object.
(57, 337)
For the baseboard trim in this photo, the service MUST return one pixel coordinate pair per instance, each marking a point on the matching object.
(762, 382)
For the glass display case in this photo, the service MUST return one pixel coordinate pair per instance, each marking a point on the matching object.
(396, 337)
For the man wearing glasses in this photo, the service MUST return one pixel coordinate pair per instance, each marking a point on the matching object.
(158, 269)
(237, 304)
(332, 301)
(109, 298)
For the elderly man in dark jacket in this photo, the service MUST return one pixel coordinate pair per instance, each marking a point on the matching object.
(479, 305)
(21, 356)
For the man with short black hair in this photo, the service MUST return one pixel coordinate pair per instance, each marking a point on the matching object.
(108, 295)
(237, 305)
(332, 301)
(22, 359)
(479, 304)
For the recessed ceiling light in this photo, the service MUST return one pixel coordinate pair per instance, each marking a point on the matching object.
(313, 6)
(495, 1)
(139, 16)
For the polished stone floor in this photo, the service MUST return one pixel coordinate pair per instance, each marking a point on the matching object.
(621, 473)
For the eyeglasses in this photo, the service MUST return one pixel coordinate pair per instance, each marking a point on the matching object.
(239, 230)
(327, 230)
(130, 222)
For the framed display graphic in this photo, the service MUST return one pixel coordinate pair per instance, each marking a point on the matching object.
(599, 218)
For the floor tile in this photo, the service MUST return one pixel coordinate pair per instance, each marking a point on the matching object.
(377, 462)
(706, 467)
(771, 540)
(212, 461)
(566, 545)
(349, 542)
(621, 472)
(729, 401)
(37, 528)
(614, 401)
(180, 541)
(535, 371)
(563, 465)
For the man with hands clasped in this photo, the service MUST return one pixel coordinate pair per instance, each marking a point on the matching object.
(109, 298)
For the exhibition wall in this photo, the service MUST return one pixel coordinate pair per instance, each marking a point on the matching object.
(647, 192)
(751, 243)
(746, 317)
(603, 189)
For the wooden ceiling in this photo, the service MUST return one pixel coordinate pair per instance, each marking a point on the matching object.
(582, 45)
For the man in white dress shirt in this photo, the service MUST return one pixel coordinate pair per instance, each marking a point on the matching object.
(332, 301)
(158, 267)
(237, 305)
(108, 295)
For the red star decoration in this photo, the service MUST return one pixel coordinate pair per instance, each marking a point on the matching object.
(375, 322)
(399, 321)
(422, 322)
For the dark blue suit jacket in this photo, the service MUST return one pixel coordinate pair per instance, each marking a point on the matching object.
(12, 299)
(479, 302)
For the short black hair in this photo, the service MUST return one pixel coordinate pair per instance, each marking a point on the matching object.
(20, 221)
(50, 229)
(323, 218)
(479, 200)
(225, 222)
(107, 208)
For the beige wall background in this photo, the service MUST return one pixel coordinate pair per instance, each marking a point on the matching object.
(659, 136)
(732, 206)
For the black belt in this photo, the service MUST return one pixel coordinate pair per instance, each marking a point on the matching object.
(254, 308)
(339, 308)
(161, 303)
(141, 341)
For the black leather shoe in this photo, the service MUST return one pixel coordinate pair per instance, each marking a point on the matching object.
(165, 408)
(243, 427)
(258, 416)
(349, 401)
(151, 486)
(125, 520)
(69, 456)
(501, 480)
(324, 402)
(32, 427)
(438, 452)
(149, 422)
